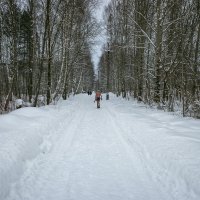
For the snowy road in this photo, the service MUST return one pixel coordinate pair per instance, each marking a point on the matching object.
(122, 151)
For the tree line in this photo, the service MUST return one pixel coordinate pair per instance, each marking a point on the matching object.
(153, 53)
(45, 49)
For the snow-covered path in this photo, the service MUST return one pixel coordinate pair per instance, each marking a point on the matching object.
(119, 152)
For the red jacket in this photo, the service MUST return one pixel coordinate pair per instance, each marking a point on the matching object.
(98, 94)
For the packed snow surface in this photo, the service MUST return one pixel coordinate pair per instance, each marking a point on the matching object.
(122, 151)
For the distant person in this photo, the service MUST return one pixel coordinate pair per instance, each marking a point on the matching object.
(89, 92)
(98, 97)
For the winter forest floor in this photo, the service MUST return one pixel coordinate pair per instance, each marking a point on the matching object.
(122, 151)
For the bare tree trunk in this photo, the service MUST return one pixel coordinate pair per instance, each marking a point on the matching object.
(48, 10)
(158, 53)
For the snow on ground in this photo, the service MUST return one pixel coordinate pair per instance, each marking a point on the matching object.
(122, 151)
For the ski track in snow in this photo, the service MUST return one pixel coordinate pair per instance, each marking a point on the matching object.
(121, 151)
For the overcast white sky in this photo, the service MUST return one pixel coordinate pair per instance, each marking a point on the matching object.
(101, 39)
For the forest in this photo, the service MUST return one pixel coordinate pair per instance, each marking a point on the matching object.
(45, 50)
(152, 52)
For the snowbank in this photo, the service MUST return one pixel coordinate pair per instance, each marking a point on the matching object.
(19, 141)
(22, 135)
